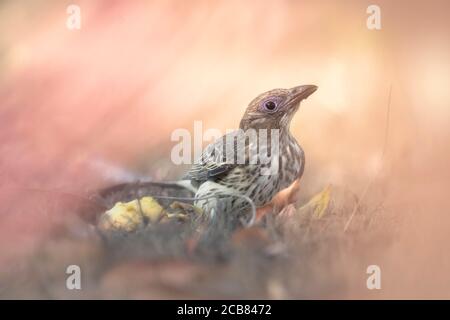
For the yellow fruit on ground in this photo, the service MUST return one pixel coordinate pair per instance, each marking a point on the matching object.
(129, 216)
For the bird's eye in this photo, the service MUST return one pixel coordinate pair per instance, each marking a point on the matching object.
(270, 105)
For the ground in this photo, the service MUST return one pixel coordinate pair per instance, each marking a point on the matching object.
(308, 250)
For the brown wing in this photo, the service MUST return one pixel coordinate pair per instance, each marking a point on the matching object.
(215, 162)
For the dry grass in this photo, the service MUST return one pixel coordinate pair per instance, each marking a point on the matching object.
(288, 255)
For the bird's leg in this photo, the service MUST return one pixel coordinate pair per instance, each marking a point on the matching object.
(281, 199)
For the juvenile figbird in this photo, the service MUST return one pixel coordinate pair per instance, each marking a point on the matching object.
(227, 179)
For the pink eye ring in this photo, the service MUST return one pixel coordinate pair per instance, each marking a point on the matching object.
(270, 105)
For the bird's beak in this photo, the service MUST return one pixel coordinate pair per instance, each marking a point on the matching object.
(299, 93)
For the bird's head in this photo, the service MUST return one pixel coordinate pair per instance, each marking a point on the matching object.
(274, 109)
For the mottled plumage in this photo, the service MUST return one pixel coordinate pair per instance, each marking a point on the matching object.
(217, 173)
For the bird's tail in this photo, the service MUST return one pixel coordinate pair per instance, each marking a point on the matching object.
(126, 178)
(181, 184)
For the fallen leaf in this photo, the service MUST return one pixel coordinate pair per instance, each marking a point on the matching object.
(319, 203)
(129, 216)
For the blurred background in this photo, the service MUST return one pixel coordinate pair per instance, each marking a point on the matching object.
(115, 90)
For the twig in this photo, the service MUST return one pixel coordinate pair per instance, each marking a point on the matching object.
(369, 184)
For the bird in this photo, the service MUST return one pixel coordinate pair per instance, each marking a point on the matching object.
(220, 180)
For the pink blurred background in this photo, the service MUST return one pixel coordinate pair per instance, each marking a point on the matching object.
(135, 71)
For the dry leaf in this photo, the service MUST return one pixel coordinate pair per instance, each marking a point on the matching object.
(319, 203)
